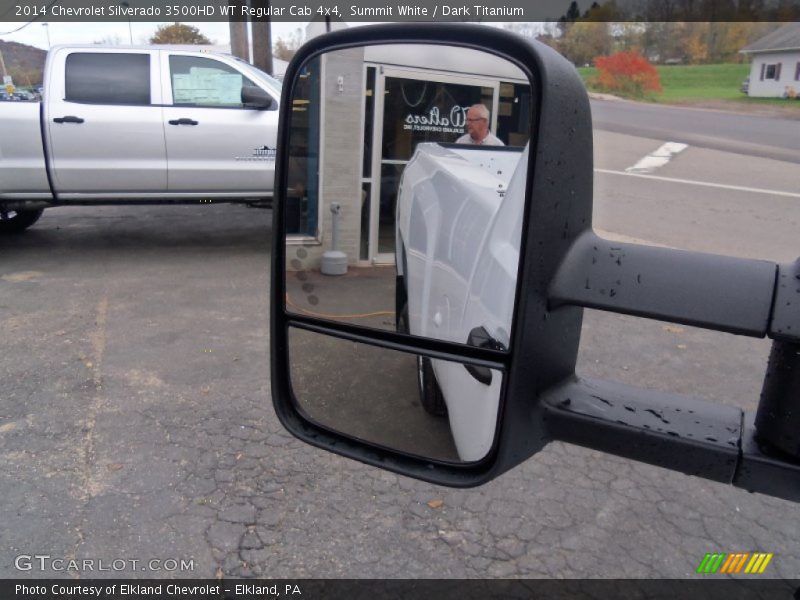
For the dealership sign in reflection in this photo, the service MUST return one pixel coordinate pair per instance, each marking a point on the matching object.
(435, 121)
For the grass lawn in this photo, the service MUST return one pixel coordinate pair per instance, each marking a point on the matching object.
(702, 82)
(698, 83)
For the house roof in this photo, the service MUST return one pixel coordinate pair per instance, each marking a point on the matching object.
(784, 38)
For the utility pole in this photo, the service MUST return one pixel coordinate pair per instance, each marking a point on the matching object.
(262, 37)
(238, 30)
(8, 84)
(130, 31)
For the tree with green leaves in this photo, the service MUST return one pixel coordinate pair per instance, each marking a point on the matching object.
(178, 33)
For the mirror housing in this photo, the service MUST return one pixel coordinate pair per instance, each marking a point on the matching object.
(562, 162)
(565, 267)
(255, 97)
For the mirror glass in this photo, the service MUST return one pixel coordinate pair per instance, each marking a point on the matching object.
(435, 409)
(405, 190)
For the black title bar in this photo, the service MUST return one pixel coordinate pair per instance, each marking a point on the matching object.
(707, 587)
(383, 11)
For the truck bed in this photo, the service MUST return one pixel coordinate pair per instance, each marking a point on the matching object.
(22, 165)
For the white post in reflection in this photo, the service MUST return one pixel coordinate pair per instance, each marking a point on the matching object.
(334, 262)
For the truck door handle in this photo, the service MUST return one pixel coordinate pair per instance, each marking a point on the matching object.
(480, 338)
(182, 122)
(69, 119)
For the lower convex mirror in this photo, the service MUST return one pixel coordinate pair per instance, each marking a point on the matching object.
(434, 409)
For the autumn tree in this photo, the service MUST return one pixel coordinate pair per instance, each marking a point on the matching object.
(607, 11)
(626, 73)
(701, 42)
(628, 36)
(26, 77)
(109, 40)
(694, 41)
(285, 48)
(282, 50)
(583, 41)
(726, 39)
(178, 33)
(573, 14)
(663, 41)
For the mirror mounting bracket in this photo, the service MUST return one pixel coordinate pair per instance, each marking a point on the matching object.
(777, 419)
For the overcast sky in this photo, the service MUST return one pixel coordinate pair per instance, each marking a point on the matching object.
(35, 34)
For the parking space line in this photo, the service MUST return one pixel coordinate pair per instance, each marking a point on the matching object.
(658, 158)
(722, 186)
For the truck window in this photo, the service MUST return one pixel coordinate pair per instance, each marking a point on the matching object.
(108, 78)
(198, 81)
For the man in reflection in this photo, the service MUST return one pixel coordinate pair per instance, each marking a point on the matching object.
(478, 132)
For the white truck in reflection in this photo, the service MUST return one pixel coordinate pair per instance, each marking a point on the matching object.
(459, 223)
(138, 125)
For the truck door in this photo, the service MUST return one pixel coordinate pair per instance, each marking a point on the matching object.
(104, 123)
(214, 142)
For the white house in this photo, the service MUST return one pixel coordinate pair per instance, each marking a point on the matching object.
(775, 67)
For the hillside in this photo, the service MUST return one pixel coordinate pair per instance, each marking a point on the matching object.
(24, 63)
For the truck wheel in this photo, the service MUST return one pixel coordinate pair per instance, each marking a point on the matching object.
(429, 392)
(17, 221)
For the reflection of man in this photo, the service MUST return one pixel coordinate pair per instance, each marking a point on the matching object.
(478, 128)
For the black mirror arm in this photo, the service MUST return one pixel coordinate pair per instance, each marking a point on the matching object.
(759, 451)
(722, 293)
(689, 435)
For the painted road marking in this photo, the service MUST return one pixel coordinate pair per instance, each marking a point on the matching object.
(722, 186)
(658, 158)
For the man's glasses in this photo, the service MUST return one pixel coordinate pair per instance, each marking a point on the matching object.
(477, 119)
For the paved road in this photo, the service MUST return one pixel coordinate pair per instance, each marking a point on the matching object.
(136, 423)
(703, 199)
(753, 135)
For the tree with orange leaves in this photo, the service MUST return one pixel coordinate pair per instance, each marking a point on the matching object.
(627, 73)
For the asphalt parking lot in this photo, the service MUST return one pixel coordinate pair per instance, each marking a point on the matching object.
(136, 424)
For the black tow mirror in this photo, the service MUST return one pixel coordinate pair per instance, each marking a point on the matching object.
(428, 190)
(255, 97)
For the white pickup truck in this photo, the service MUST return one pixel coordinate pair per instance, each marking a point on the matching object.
(459, 224)
(138, 125)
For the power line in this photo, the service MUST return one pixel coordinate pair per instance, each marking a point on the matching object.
(24, 25)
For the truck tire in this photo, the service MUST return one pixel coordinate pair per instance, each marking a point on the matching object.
(17, 221)
(430, 394)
